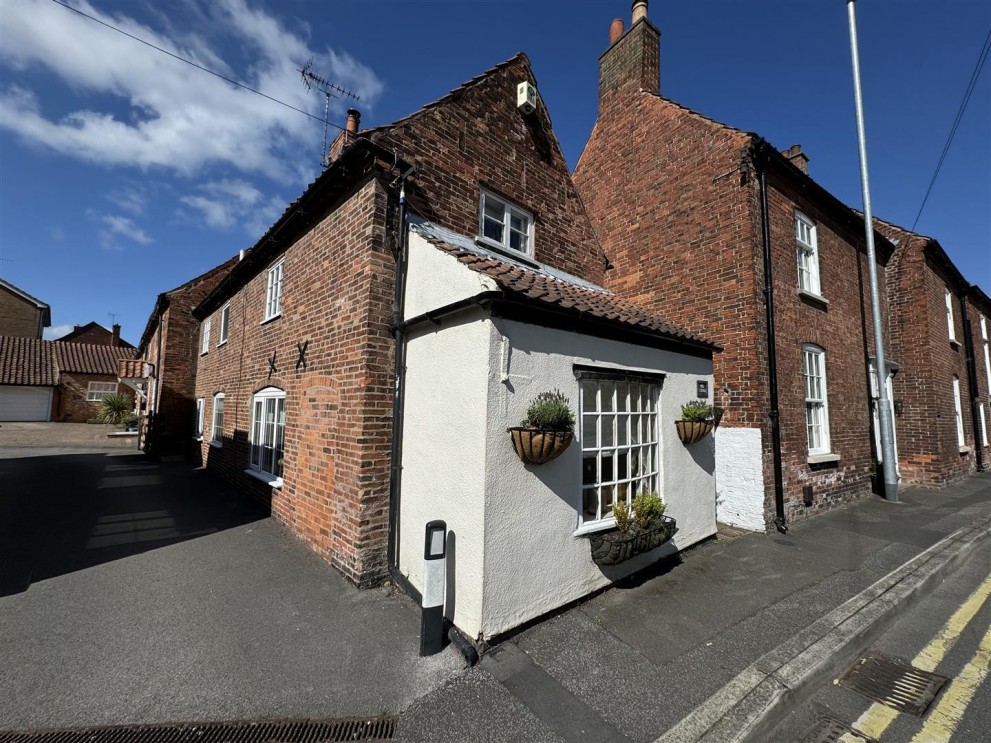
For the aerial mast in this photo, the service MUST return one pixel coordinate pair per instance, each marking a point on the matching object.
(330, 90)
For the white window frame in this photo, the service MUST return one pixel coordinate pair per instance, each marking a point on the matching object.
(984, 426)
(949, 316)
(205, 341)
(807, 255)
(816, 399)
(509, 210)
(225, 321)
(99, 391)
(987, 354)
(273, 290)
(614, 435)
(217, 427)
(958, 411)
(198, 432)
(267, 435)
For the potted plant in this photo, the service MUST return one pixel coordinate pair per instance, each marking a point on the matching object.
(546, 431)
(115, 409)
(638, 530)
(696, 421)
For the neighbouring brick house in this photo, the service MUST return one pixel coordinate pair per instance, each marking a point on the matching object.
(165, 380)
(50, 380)
(939, 331)
(21, 315)
(96, 335)
(678, 203)
(470, 203)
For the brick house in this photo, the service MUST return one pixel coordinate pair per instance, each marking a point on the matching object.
(939, 332)
(359, 368)
(53, 381)
(21, 315)
(95, 334)
(165, 378)
(679, 203)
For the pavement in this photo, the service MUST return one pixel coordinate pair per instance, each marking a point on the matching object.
(146, 592)
(67, 436)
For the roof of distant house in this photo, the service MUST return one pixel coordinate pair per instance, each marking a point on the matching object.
(83, 329)
(32, 361)
(46, 310)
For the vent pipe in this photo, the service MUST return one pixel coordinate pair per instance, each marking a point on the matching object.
(639, 10)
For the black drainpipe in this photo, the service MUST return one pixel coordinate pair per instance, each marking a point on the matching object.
(975, 405)
(760, 161)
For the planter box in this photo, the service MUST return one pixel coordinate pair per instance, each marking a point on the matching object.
(611, 547)
(691, 431)
(536, 446)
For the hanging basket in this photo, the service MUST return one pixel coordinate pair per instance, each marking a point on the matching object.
(612, 547)
(691, 431)
(536, 446)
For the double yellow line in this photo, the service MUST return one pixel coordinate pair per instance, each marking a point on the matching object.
(945, 716)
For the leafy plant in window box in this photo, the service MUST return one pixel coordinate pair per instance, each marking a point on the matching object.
(697, 421)
(638, 529)
(546, 431)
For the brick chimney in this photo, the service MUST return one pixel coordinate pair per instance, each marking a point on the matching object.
(115, 341)
(797, 158)
(354, 119)
(633, 60)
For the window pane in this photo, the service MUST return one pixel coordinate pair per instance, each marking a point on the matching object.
(636, 424)
(589, 390)
(492, 229)
(517, 241)
(589, 438)
(590, 470)
(607, 390)
(622, 395)
(608, 432)
(606, 475)
(623, 430)
(590, 504)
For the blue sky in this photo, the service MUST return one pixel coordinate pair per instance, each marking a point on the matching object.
(125, 172)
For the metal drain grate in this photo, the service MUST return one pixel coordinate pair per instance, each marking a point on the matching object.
(893, 682)
(297, 731)
(830, 730)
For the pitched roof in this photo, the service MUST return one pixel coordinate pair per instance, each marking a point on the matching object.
(83, 329)
(46, 310)
(33, 361)
(535, 282)
(27, 361)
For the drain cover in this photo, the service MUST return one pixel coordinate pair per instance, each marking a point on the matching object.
(893, 682)
(294, 731)
(830, 730)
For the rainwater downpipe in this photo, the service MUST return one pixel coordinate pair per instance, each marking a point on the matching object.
(772, 356)
(975, 404)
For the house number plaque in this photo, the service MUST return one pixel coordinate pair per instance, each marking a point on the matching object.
(702, 389)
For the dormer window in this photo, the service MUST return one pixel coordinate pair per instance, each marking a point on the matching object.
(505, 225)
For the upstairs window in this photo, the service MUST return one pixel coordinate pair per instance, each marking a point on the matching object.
(987, 354)
(808, 254)
(949, 315)
(505, 225)
(957, 410)
(273, 292)
(225, 321)
(816, 402)
(205, 344)
(98, 391)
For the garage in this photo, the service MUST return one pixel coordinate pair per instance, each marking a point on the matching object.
(23, 403)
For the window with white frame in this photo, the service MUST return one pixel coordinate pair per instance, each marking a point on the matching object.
(816, 400)
(225, 321)
(268, 426)
(957, 410)
(808, 254)
(273, 292)
(99, 391)
(506, 225)
(949, 315)
(217, 427)
(987, 354)
(205, 340)
(984, 426)
(619, 440)
(199, 418)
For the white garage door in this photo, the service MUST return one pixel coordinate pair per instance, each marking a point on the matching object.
(25, 403)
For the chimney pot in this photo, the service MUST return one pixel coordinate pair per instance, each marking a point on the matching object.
(639, 10)
(354, 119)
(797, 158)
(615, 30)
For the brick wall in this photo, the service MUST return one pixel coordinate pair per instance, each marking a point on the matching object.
(17, 317)
(72, 405)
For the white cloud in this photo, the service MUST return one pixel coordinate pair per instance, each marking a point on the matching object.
(117, 226)
(130, 200)
(229, 202)
(56, 331)
(167, 114)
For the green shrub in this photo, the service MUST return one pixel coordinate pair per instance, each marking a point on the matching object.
(550, 411)
(621, 512)
(696, 410)
(648, 508)
(115, 409)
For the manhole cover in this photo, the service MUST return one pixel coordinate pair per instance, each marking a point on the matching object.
(292, 731)
(830, 730)
(893, 682)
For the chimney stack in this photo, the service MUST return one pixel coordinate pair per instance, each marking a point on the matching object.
(354, 119)
(115, 341)
(797, 158)
(632, 63)
(615, 30)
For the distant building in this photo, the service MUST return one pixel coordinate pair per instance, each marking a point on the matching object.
(21, 315)
(96, 335)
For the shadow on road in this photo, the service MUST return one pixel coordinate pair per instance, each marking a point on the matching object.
(63, 513)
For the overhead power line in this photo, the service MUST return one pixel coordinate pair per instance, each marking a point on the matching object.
(981, 59)
(195, 64)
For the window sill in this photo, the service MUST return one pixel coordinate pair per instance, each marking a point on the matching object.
(822, 458)
(594, 527)
(813, 298)
(221, 344)
(216, 444)
(954, 344)
(270, 319)
(505, 250)
(275, 482)
(204, 353)
(197, 438)
(965, 450)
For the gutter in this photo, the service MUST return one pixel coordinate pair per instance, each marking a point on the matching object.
(975, 397)
(760, 160)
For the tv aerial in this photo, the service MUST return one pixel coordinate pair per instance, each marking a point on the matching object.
(312, 81)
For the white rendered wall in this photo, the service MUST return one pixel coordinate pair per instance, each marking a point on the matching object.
(739, 478)
(533, 562)
(436, 279)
